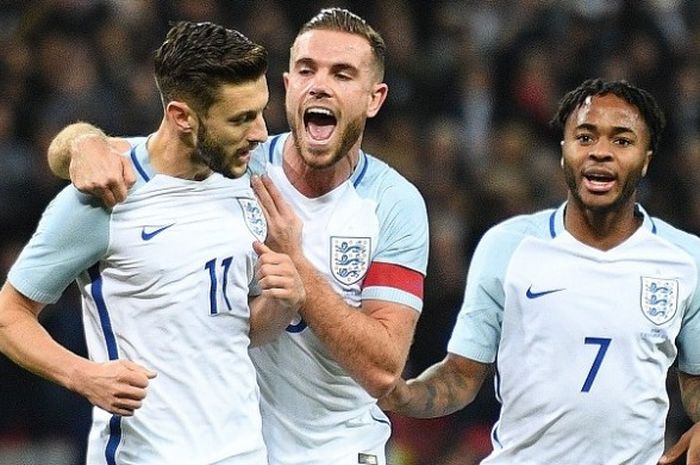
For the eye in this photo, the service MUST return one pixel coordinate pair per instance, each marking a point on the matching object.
(243, 119)
(623, 142)
(584, 138)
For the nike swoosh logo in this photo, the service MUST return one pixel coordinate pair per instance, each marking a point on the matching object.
(148, 235)
(534, 295)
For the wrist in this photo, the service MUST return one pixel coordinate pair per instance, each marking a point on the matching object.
(77, 144)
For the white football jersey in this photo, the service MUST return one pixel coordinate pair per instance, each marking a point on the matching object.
(165, 281)
(369, 238)
(582, 338)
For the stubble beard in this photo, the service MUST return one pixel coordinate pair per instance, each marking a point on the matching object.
(211, 153)
(315, 159)
(628, 191)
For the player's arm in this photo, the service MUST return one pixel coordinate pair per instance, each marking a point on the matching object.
(84, 154)
(372, 344)
(690, 440)
(442, 389)
(118, 387)
(690, 394)
(282, 295)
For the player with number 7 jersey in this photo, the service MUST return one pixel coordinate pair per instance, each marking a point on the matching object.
(582, 337)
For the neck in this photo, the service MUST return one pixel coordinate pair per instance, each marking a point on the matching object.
(173, 154)
(312, 181)
(602, 230)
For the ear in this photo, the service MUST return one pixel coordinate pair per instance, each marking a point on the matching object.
(285, 80)
(181, 116)
(376, 99)
(647, 160)
(561, 160)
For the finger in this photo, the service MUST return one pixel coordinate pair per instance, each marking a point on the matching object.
(128, 406)
(276, 196)
(263, 195)
(121, 412)
(118, 190)
(260, 248)
(129, 394)
(106, 195)
(128, 173)
(674, 453)
(150, 374)
(124, 407)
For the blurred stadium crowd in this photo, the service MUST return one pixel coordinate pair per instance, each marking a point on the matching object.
(472, 83)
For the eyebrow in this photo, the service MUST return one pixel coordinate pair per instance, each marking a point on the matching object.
(342, 66)
(616, 129)
(243, 114)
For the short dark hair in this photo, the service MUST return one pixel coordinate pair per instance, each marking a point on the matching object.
(640, 98)
(342, 20)
(197, 58)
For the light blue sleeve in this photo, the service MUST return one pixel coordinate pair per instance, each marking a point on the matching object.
(688, 340)
(403, 236)
(258, 161)
(72, 235)
(403, 232)
(477, 331)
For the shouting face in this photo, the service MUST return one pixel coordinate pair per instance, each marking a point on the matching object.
(332, 88)
(605, 153)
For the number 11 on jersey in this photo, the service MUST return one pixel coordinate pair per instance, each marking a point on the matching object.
(213, 289)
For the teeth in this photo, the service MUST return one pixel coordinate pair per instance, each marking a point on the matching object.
(320, 111)
(598, 177)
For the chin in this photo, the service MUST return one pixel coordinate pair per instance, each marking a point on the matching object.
(235, 172)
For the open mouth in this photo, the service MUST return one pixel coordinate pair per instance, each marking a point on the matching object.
(319, 123)
(599, 181)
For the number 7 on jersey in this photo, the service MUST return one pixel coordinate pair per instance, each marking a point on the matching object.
(604, 343)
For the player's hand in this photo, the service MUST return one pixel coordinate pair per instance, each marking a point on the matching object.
(278, 278)
(98, 168)
(118, 386)
(690, 443)
(283, 225)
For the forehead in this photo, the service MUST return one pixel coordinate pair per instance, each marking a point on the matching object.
(325, 45)
(607, 110)
(246, 96)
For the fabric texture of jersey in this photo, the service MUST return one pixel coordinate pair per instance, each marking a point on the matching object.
(314, 413)
(165, 281)
(582, 338)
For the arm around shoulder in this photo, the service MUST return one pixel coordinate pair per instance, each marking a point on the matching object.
(92, 161)
(60, 149)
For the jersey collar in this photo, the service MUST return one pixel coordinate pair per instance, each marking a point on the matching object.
(556, 220)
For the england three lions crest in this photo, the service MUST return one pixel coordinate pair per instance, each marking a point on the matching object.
(254, 218)
(349, 258)
(659, 299)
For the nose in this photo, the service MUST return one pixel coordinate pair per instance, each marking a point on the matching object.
(319, 85)
(601, 150)
(258, 131)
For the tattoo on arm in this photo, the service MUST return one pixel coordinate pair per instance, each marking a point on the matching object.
(690, 393)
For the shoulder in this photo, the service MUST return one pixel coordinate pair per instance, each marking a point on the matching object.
(515, 229)
(377, 179)
(686, 241)
(268, 153)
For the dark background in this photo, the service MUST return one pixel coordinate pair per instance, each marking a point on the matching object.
(472, 87)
